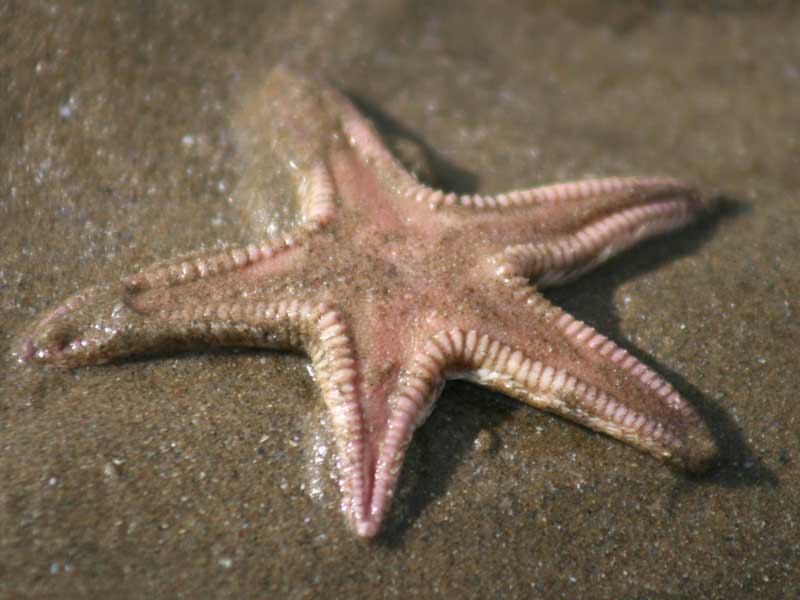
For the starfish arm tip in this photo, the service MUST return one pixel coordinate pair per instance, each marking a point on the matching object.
(702, 453)
(366, 529)
(76, 332)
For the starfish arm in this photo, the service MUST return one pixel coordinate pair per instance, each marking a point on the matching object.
(289, 124)
(593, 221)
(173, 305)
(411, 400)
(368, 145)
(566, 367)
(554, 234)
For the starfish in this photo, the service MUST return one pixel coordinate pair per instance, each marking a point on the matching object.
(392, 287)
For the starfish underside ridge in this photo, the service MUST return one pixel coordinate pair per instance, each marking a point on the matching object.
(392, 287)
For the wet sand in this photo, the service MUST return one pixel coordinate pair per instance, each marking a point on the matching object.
(210, 475)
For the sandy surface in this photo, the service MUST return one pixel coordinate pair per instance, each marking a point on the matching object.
(210, 475)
